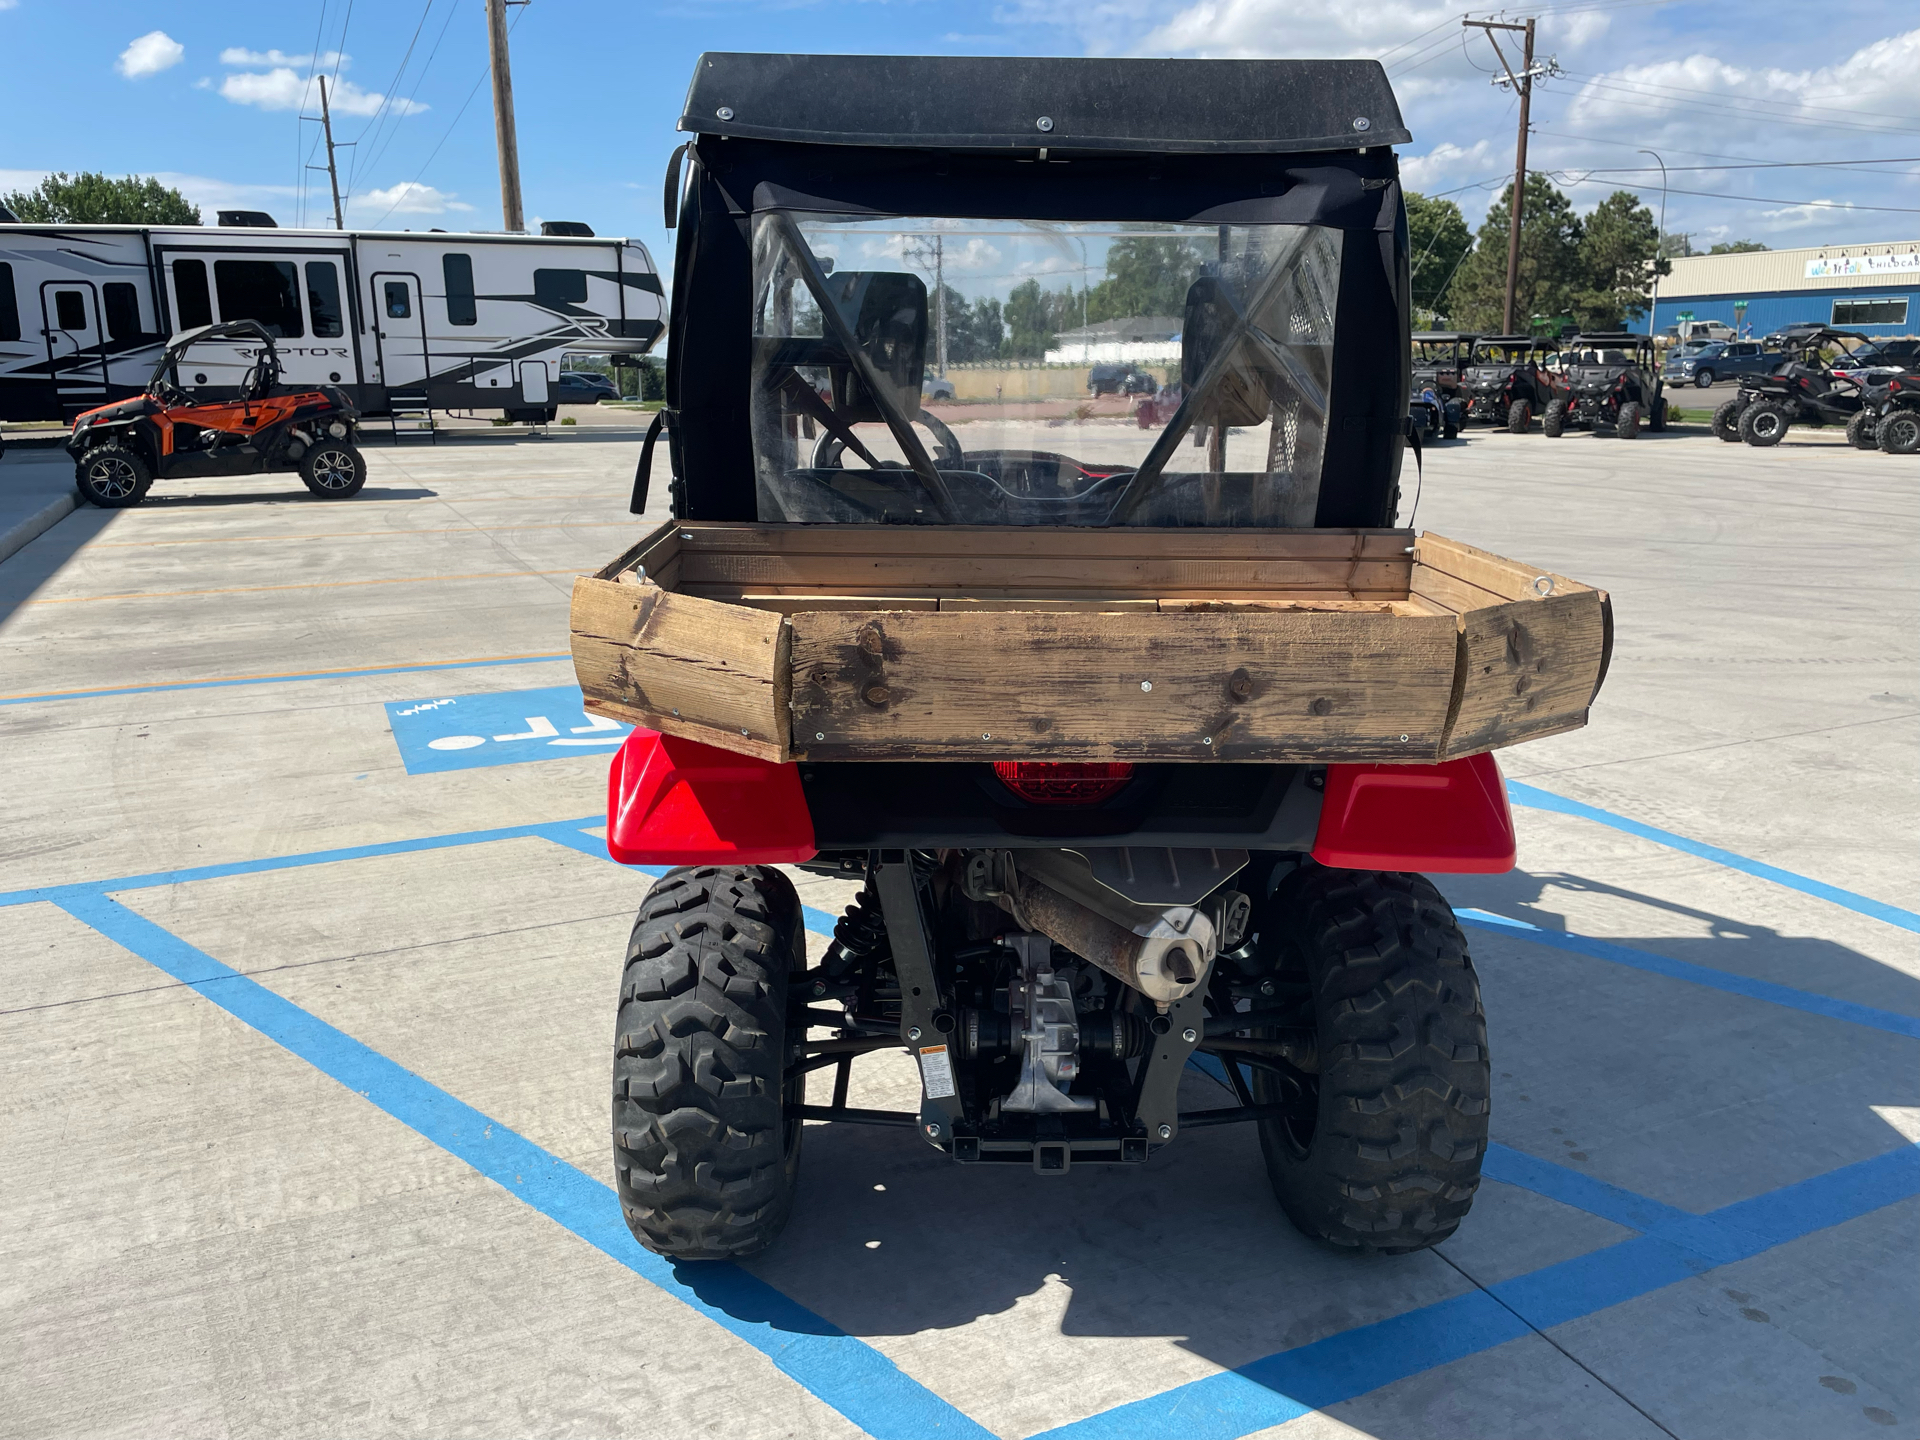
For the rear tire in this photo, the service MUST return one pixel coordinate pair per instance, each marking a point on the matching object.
(1726, 420)
(704, 1156)
(1383, 1148)
(1626, 423)
(1764, 424)
(1554, 422)
(1863, 432)
(1900, 433)
(112, 476)
(1519, 417)
(333, 470)
(1657, 417)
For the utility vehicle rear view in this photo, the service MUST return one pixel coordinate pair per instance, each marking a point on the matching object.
(1510, 379)
(1613, 387)
(1129, 747)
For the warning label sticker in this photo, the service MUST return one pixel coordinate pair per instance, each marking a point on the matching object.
(936, 1071)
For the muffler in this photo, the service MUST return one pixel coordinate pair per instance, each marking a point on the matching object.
(1164, 956)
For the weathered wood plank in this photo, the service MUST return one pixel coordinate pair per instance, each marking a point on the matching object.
(1504, 578)
(1316, 686)
(1044, 542)
(1529, 668)
(1036, 575)
(652, 550)
(721, 670)
(1436, 587)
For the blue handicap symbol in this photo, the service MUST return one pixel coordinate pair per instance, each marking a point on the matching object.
(463, 732)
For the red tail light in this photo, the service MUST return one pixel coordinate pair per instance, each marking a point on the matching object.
(1066, 783)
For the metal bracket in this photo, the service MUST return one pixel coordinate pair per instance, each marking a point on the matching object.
(1156, 1106)
(926, 1025)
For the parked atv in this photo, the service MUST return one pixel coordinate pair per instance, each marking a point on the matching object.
(120, 450)
(1128, 752)
(1511, 379)
(1614, 387)
(1892, 415)
(1439, 402)
(1801, 390)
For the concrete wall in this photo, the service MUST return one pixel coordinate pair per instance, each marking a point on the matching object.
(1028, 382)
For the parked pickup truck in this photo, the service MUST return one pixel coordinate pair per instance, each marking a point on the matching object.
(1719, 360)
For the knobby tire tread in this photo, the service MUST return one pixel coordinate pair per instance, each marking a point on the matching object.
(704, 1158)
(1405, 1082)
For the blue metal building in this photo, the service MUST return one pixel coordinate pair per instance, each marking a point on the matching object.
(1874, 289)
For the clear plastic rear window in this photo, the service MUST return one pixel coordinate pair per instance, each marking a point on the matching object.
(1035, 373)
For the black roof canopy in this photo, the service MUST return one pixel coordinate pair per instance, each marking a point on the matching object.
(993, 103)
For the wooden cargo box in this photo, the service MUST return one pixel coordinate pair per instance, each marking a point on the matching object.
(819, 642)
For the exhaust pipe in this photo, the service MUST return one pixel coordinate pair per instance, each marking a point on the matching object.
(1164, 956)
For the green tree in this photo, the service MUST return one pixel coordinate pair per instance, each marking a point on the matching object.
(1549, 261)
(1146, 275)
(91, 198)
(974, 332)
(1440, 240)
(1735, 247)
(1617, 242)
(1676, 246)
(1028, 316)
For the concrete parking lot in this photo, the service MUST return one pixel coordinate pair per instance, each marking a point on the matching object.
(305, 1018)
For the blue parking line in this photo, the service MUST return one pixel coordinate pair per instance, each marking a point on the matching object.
(282, 679)
(55, 893)
(1890, 1021)
(843, 1372)
(1537, 799)
(1343, 1367)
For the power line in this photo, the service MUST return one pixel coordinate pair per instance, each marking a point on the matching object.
(1717, 155)
(418, 80)
(1653, 85)
(1566, 179)
(1650, 101)
(386, 100)
(485, 74)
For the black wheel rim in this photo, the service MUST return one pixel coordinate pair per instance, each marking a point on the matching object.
(1766, 425)
(334, 470)
(112, 477)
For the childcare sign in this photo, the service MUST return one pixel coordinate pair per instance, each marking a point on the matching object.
(463, 732)
(1894, 262)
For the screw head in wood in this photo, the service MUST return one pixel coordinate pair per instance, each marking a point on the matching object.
(986, 737)
(876, 695)
(1146, 684)
(1403, 739)
(1206, 739)
(819, 734)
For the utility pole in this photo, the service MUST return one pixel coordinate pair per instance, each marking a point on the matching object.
(333, 171)
(940, 303)
(1523, 86)
(511, 214)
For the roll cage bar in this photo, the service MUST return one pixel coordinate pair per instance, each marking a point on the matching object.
(185, 340)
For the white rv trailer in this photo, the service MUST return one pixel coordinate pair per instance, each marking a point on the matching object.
(396, 319)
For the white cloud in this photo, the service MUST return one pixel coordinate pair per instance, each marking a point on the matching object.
(409, 197)
(150, 54)
(8, 4)
(239, 57)
(1448, 165)
(283, 88)
(1814, 212)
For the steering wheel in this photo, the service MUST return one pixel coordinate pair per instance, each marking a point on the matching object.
(169, 395)
(829, 450)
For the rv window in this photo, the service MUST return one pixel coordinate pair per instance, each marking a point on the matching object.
(458, 270)
(263, 290)
(560, 287)
(190, 295)
(398, 306)
(9, 306)
(70, 309)
(123, 310)
(323, 298)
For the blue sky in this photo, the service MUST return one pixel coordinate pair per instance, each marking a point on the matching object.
(207, 95)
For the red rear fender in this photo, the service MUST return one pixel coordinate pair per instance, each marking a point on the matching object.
(1445, 819)
(678, 802)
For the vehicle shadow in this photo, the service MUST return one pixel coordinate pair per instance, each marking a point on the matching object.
(159, 500)
(1669, 1088)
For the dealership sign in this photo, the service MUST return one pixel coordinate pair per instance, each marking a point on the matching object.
(1829, 267)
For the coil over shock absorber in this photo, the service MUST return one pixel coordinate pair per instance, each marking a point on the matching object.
(859, 936)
